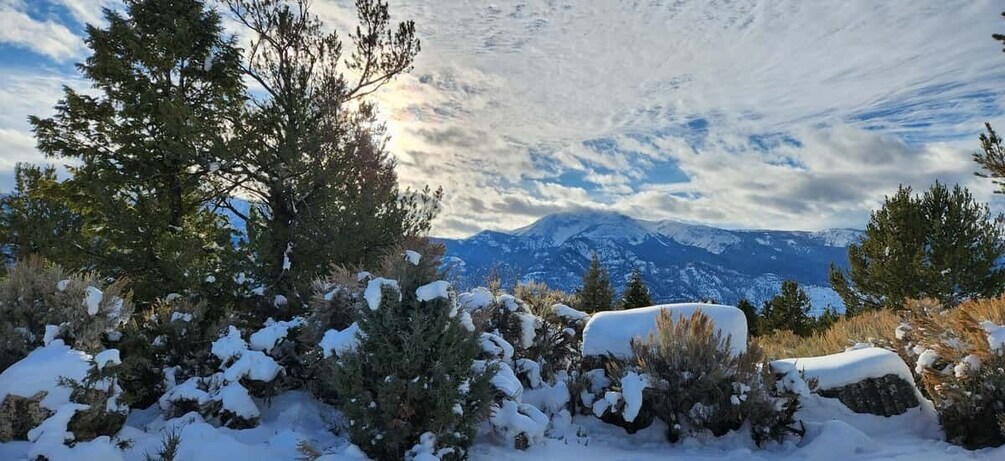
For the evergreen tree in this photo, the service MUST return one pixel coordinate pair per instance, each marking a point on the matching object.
(596, 293)
(826, 319)
(942, 245)
(149, 143)
(991, 158)
(323, 183)
(636, 293)
(788, 310)
(414, 372)
(750, 312)
(34, 218)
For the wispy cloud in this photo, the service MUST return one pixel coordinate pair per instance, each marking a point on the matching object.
(745, 113)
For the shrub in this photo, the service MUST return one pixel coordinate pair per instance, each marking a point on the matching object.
(694, 383)
(873, 327)
(413, 370)
(39, 302)
(165, 345)
(961, 363)
(100, 392)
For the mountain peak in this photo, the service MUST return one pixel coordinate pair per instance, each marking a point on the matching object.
(557, 228)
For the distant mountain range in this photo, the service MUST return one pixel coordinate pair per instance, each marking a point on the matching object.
(678, 261)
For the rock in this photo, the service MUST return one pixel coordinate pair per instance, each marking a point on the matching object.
(888, 395)
(18, 415)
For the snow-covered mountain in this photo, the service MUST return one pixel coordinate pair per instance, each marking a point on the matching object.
(679, 261)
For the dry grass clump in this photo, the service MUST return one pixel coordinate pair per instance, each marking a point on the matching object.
(875, 327)
(961, 372)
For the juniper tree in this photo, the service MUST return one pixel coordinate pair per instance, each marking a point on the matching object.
(595, 294)
(750, 312)
(636, 292)
(942, 244)
(323, 184)
(148, 142)
(788, 310)
(35, 218)
(413, 371)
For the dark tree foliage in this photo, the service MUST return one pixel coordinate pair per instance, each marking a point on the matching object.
(636, 293)
(596, 293)
(750, 312)
(35, 218)
(315, 160)
(942, 245)
(788, 310)
(148, 144)
(413, 372)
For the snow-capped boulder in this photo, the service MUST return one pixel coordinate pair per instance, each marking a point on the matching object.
(30, 390)
(871, 380)
(612, 332)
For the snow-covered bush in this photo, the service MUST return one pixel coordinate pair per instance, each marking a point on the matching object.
(99, 393)
(688, 375)
(225, 397)
(960, 357)
(39, 303)
(164, 345)
(410, 368)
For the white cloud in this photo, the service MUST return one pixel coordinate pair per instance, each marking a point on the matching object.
(47, 37)
(863, 95)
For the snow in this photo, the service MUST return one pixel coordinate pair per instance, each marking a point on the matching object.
(107, 357)
(996, 335)
(254, 365)
(182, 316)
(513, 419)
(235, 399)
(273, 332)
(612, 332)
(632, 385)
(92, 299)
(337, 342)
(568, 313)
(62, 284)
(476, 299)
(528, 326)
(496, 346)
(970, 364)
(229, 346)
(530, 369)
(412, 257)
(431, 291)
(287, 264)
(51, 332)
(40, 372)
(373, 294)
(850, 367)
(280, 301)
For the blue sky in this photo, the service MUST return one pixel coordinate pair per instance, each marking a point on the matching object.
(743, 113)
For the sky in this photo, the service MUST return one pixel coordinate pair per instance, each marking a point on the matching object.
(772, 114)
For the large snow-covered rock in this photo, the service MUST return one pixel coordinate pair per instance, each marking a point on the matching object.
(612, 332)
(871, 380)
(30, 390)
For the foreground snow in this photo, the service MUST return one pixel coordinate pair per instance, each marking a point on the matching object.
(832, 433)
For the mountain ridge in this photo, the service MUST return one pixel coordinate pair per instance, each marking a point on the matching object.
(679, 261)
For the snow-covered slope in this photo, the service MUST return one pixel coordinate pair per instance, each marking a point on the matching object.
(680, 262)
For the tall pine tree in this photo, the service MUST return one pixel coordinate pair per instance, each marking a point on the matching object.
(596, 293)
(750, 312)
(323, 184)
(636, 293)
(148, 144)
(788, 310)
(943, 245)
